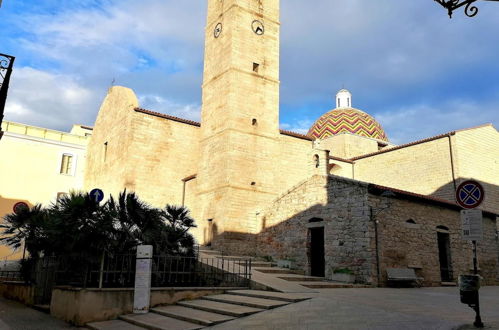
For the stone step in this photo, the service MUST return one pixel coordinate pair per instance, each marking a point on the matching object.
(289, 297)
(331, 285)
(154, 321)
(234, 257)
(112, 325)
(246, 301)
(212, 252)
(301, 278)
(448, 283)
(273, 270)
(192, 315)
(42, 308)
(259, 264)
(220, 308)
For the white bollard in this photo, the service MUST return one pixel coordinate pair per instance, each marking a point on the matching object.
(143, 268)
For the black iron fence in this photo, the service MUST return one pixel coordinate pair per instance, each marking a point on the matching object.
(10, 275)
(117, 271)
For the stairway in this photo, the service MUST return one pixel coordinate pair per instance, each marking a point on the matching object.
(291, 276)
(203, 312)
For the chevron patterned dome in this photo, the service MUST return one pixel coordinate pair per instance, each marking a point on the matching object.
(347, 120)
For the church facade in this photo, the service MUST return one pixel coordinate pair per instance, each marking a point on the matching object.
(340, 197)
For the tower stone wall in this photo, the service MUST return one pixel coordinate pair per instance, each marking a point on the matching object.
(239, 118)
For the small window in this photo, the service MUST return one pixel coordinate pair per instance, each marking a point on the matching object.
(66, 164)
(316, 160)
(348, 101)
(256, 66)
(254, 122)
(410, 221)
(339, 102)
(315, 220)
(105, 151)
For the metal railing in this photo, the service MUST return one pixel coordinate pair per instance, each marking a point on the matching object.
(118, 271)
(10, 275)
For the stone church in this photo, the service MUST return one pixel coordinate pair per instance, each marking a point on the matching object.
(340, 197)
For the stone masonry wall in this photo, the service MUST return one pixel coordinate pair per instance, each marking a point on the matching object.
(342, 204)
(407, 245)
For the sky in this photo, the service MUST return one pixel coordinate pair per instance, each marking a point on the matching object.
(416, 71)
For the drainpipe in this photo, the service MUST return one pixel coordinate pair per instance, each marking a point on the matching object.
(452, 159)
(372, 218)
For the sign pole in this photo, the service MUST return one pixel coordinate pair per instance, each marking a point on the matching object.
(478, 319)
(470, 194)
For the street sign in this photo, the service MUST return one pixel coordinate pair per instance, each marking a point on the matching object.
(97, 194)
(472, 225)
(19, 207)
(470, 194)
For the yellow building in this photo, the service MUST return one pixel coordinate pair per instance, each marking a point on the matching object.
(37, 165)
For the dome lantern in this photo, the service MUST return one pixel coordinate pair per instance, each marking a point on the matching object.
(343, 99)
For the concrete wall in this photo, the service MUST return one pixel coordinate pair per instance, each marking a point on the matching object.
(18, 291)
(30, 168)
(80, 306)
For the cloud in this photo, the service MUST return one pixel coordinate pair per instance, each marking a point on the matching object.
(57, 105)
(160, 104)
(298, 125)
(424, 120)
(401, 60)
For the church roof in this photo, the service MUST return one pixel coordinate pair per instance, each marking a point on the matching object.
(418, 142)
(347, 120)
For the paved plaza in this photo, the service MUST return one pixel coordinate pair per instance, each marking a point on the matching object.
(380, 308)
(383, 308)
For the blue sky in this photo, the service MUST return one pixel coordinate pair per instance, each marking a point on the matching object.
(405, 62)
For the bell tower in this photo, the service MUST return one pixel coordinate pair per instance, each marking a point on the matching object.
(239, 119)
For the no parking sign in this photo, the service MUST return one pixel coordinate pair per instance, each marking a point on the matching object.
(470, 194)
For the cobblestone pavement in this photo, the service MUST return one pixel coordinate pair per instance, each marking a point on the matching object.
(406, 309)
(16, 316)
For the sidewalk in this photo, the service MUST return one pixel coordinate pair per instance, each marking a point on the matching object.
(16, 316)
(383, 308)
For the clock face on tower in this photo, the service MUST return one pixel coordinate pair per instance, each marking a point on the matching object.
(258, 27)
(218, 30)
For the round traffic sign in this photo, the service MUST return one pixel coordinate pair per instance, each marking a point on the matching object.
(19, 207)
(470, 194)
(97, 194)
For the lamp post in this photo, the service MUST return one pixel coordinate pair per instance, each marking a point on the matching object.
(470, 9)
(6, 65)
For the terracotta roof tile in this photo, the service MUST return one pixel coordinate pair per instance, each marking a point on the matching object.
(439, 201)
(162, 115)
(296, 135)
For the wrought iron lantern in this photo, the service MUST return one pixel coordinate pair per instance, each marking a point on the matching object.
(6, 65)
(470, 9)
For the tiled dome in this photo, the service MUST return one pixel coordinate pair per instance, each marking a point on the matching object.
(347, 120)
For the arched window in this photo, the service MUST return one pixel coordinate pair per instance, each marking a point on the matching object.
(411, 221)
